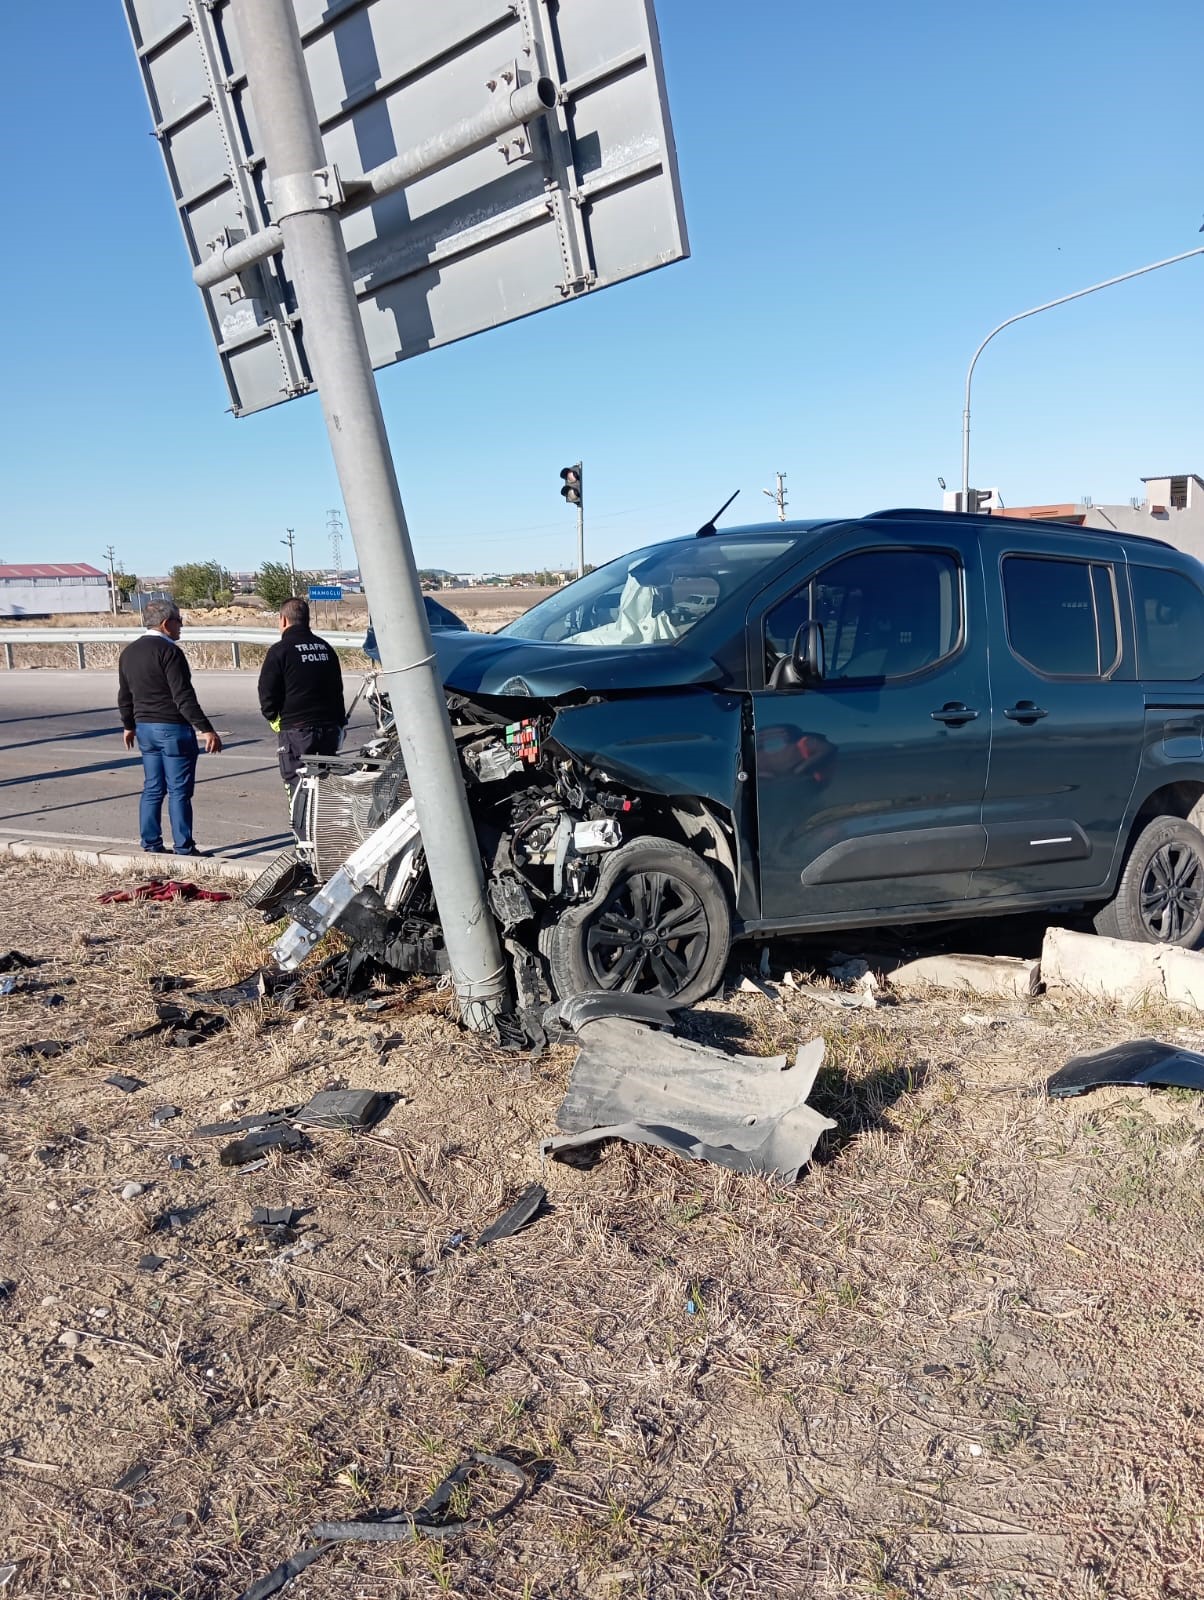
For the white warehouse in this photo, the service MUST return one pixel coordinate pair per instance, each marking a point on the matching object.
(52, 590)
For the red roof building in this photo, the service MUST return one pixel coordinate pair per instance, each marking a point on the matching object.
(22, 572)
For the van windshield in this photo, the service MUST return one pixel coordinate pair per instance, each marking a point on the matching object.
(650, 596)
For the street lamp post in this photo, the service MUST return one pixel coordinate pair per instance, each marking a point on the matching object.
(1048, 306)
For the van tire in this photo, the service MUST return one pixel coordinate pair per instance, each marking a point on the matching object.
(1159, 897)
(645, 886)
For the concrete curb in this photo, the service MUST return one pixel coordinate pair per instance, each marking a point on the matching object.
(246, 869)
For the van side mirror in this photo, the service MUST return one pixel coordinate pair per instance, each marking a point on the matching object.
(807, 654)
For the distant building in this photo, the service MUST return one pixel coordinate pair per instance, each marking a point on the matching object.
(52, 589)
(1172, 509)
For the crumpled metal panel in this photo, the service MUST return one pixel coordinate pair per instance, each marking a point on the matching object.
(645, 1086)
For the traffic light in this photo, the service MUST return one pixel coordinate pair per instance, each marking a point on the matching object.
(572, 484)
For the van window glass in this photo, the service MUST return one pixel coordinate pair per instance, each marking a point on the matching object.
(884, 614)
(1052, 608)
(1169, 611)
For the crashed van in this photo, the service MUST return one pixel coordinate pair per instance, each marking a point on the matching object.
(801, 726)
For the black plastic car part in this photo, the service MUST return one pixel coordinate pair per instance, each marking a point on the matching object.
(1136, 1063)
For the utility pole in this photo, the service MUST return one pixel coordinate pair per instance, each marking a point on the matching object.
(109, 557)
(316, 259)
(778, 495)
(290, 540)
(574, 492)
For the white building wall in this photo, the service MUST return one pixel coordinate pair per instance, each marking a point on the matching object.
(1183, 529)
(56, 598)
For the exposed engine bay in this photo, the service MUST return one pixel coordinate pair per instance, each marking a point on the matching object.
(544, 823)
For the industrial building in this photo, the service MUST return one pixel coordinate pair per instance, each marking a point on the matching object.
(52, 589)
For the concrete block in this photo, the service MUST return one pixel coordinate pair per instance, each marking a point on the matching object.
(1108, 969)
(1006, 976)
(1183, 976)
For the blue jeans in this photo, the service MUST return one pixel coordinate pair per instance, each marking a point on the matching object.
(169, 757)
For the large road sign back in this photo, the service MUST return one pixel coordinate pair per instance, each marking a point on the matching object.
(509, 229)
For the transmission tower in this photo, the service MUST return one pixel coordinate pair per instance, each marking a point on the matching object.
(334, 531)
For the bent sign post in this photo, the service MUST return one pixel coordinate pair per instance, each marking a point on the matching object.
(358, 184)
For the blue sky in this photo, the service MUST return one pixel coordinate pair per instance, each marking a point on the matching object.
(869, 187)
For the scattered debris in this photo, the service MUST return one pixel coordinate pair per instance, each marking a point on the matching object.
(1137, 1063)
(517, 1217)
(241, 1151)
(646, 1086)
(131, 1191)
(262, 984)
(274, 1216)
(15, 960)
(151, 1262)
(850, 970)
(345, 1108)
(162, 1114)
(7, 1573)
(759, 986)
(179, 1163)
(161, 889)
(179, 1027)
(398, 1527)
(47, 1049)
(7, 985)
(123, 1081)
(132, 1478)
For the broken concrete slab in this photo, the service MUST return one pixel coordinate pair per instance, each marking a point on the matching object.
(1004, 976)
(1121, 971)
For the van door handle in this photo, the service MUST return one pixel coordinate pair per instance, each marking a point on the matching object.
(954, 714)
(1025, 711)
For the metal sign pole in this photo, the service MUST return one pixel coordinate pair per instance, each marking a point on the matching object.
(316, 258)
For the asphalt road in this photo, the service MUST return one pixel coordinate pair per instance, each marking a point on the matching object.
(66, 778)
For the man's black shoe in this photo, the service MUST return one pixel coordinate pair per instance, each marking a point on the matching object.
(192, 851)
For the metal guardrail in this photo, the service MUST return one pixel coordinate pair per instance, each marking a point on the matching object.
(82, 637)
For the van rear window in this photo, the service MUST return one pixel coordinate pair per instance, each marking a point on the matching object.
(1169, 613)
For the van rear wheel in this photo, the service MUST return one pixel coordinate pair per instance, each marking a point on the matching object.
(1160, 896)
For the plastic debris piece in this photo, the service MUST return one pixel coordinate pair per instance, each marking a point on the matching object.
(344, 1108)
(179, 1026)
(7, 1573)
(162, 1114)
(255, 1145)
(151, 1262)
(16, 960)
(1137, 1063)
(273, 1216)
(253, 1119)
(132, 1478)
(7, 985)
(517, 1217)
(123, 1081)
(47, 1049)
(180, 1163)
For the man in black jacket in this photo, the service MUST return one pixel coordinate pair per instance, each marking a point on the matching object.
(161, 714)
(301, 692)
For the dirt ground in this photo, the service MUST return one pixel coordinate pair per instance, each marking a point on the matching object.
(960, 1358)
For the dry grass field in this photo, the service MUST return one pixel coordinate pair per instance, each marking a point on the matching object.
(484, 610)
(962, 1357)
